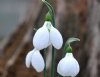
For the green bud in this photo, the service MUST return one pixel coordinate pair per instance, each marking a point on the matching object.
(68, 49)
(48, 17)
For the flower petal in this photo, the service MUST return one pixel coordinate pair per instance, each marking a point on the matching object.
(37, 61)
(41, 38)
(60, 68)
(56, 38)
(28, 58)
(73, 64)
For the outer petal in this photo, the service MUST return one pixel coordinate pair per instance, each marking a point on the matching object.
(68, 66)
(56, 38)
(37, 61)
(41, 38)
(60, 68)
(28, 58)
(73, 64)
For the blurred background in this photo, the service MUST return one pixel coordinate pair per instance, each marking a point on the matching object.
(74, 18)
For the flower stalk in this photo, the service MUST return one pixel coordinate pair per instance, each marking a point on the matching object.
(53, 63)
(44, 71)
(52, 17)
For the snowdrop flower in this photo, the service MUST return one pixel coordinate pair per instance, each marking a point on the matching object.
(68, 66)
(47, 35)
(35, 58)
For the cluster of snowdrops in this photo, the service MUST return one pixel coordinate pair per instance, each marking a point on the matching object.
(44, 37)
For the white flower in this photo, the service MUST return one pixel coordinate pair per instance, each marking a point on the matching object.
(68, 66)
(35, 58)
(47, 35)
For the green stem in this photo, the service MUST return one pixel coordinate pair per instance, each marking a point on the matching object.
(53, 62)
(44, 71)
(59, 75)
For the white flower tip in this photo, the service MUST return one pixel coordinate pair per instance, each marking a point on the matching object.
(40, 69)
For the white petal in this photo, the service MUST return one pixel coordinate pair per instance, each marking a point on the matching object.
(68, 66)
(60, 68)
(28, 58)
(56, 38)
(41, 38)
(73, 64)
(37, 61)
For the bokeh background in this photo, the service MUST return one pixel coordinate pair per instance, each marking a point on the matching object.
(74, 18)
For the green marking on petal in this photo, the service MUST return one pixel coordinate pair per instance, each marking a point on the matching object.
(48, 26)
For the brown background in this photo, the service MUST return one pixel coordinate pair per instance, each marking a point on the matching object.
(74, 18)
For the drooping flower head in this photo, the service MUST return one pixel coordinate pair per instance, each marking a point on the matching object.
(35, 59)
(68, 66)
(47, 35)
